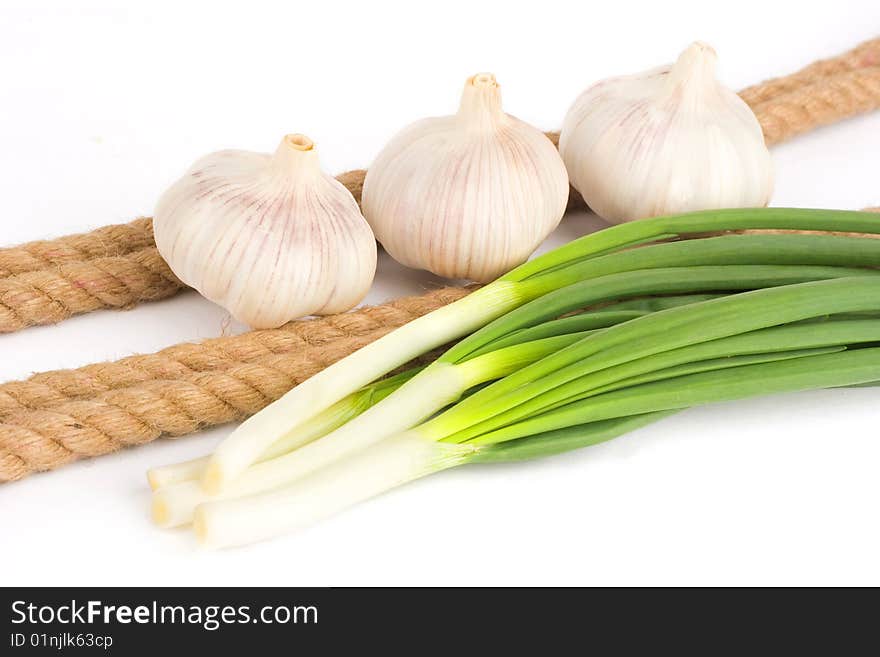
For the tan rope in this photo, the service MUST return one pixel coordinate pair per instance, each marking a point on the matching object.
(45, 282)
(833, 99)
(863, 55)
(109, 241)
(50, 295)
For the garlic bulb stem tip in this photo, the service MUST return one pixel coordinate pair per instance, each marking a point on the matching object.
(299, 142)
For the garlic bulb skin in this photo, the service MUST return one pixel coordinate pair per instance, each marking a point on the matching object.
(667, 141)
(268, 237)
(466, 196)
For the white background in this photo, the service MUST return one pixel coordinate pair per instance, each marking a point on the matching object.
(103, 105)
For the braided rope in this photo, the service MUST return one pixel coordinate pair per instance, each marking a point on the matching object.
(46, 282)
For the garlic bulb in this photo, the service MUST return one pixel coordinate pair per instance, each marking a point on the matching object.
(268, 237)
(667, 141)
(466, 196)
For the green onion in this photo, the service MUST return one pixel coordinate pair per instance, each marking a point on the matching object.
(534, 373)
(552, 271)
(556, 362)
(443, 382)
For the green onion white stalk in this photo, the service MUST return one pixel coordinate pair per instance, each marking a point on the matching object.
(350, 480)
(317, 426)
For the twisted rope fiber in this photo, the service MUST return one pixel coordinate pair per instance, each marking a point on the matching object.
(115, 240)
(56, 417)
(833, 99)
(864, 55)
(46, 296)
(118, 266)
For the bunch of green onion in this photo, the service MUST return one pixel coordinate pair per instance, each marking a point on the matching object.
(577, 346)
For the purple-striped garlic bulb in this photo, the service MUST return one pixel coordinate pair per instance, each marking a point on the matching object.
(269, 237)
(666, 141)
(470, 195)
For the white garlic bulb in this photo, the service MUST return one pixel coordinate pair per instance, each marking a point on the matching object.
(466, 196)
(667, 141)
(268, 237)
